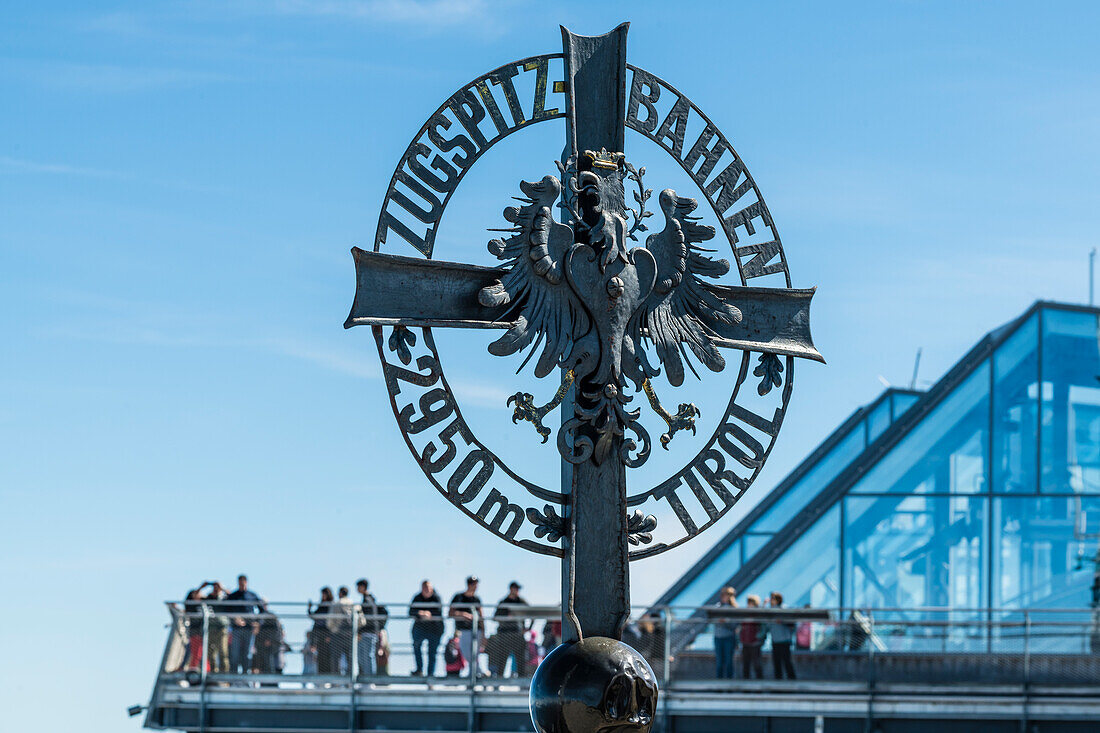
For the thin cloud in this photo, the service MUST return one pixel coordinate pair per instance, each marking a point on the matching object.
(31, 166)
(108, 78)
(479, 394)
(355, 364)
(416, 15)
(418, 12)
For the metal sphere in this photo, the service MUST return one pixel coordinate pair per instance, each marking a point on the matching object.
(596, 685)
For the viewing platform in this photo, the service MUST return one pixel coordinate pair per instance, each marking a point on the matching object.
(864, 671)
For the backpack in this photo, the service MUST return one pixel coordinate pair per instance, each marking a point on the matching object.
(452, 656)
(803, 635)
(370, 607)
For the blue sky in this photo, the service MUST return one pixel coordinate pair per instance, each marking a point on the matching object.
(179, 187)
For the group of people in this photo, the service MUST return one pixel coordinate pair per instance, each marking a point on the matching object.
(244, 636)
(241, 636)
(513, 641)
(751, 634)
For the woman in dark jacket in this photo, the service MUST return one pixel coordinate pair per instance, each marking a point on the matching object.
(320, 637)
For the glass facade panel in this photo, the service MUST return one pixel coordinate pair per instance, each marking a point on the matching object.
(1070, 434)
(1038, 562)
(816, 479)
(991, 501)
(903, 402)
(878, 421)
(1016, 411)
(713, 577)
(809, 571)
(753, 542)
(911, 551)
(946, 452)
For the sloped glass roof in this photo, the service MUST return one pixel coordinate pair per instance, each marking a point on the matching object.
(982, 493)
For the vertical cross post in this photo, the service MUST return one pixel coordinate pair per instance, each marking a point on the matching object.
(595, 577)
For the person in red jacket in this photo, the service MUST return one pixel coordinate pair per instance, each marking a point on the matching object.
(752, 635)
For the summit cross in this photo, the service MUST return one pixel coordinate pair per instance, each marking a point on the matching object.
(594, 306)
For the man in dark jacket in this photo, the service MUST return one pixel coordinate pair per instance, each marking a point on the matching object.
(371, 622)
(426, 609)
(244, 604)
(509, 640)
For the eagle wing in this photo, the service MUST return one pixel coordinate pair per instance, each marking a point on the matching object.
(543, 305)
(675, 316)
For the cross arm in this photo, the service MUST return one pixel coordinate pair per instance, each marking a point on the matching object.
(775, 320)
(392, 290)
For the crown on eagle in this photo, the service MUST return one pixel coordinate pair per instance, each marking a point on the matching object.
(605, 159)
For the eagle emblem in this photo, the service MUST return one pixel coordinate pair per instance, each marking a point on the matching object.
(581, 300)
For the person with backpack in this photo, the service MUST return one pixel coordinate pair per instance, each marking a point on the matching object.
(339, 623)
(453, 661)
(466, 611)
(752, 635)
(371, 622)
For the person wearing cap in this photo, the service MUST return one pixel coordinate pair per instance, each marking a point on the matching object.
(464, 607)
(510, 640)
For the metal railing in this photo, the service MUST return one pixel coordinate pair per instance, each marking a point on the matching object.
(290, 643)
(355, 660)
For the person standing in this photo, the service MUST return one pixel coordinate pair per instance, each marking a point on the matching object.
(781, 632)
(339, 623)
(192, 613)
(426, 609)
(551, 635)
(241, 603)
(464, 607)
(269, 638)
(372, 622)
(752, 635)
(320, 638)
(725, 636)
(217, 639)
(510, 641)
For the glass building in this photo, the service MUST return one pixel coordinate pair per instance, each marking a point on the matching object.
(976, 497)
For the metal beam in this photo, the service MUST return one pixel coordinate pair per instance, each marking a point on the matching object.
(392, 290)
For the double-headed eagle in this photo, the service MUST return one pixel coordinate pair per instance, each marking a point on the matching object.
(583, 302)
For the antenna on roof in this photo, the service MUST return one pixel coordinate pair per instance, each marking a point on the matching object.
(1092, 259)
(916, 368)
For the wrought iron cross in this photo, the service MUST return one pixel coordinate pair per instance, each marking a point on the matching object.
(576, 295)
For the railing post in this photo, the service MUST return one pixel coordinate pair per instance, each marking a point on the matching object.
(666, 662)
(202, 666)
(475, 649)
(1027, 649)
(870, 634)
(666, 668)
(353, 667)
